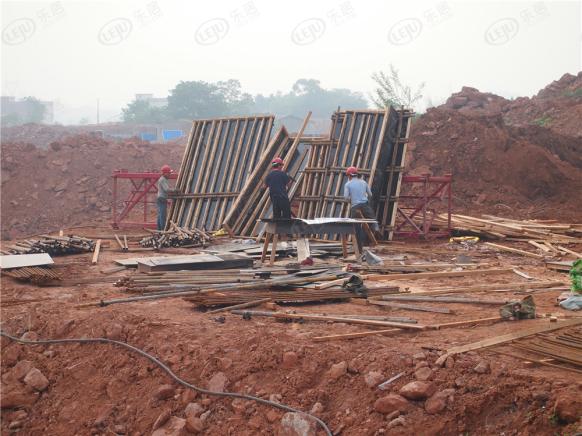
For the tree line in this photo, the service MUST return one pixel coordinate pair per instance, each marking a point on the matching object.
(199, 99)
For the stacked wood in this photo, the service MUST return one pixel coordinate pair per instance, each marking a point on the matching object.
(284, 297)
(176, 237)
(53, 245)
(34, 274)
(492, 227)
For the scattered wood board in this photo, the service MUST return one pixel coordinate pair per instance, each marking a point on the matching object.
(22, 260)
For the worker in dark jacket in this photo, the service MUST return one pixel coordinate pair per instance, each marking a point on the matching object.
(278, 182)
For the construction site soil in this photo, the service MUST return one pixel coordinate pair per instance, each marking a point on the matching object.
(102, 389)
(518, 158)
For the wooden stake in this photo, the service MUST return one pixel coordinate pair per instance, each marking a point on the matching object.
(96, 252)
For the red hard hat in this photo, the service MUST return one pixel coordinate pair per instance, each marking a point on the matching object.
(277, 161)
(352, 171)
(166, 169)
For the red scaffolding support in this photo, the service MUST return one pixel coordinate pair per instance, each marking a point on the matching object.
(143, 187)
(421, 199)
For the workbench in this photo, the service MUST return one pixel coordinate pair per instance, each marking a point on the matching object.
(343, 227)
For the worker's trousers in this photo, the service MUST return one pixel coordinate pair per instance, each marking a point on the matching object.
(366, 212)
(162, 205)
(281, 207)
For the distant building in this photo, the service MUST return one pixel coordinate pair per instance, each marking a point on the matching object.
(22, 109)
(153, 101)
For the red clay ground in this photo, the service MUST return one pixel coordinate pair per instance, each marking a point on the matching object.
(99, 389)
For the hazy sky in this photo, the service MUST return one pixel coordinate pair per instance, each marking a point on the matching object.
(78, 51)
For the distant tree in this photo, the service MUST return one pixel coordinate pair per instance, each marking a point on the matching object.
(35, 110)
(308, 95)
(391, 91)
(198, 99)
(11, 119)
(84, 121)
(140, 111)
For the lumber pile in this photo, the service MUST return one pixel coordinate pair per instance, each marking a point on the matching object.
(492, 227)
(175, 237)
(35, 274)
(283, 297)
(53, 245)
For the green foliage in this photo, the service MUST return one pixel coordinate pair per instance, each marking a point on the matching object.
(577, 93)
(543, 121)
(198, 99)
(35, 110)
(390, 91)
(308, 95)
(140, 111)
(554, 419)
(12, 119)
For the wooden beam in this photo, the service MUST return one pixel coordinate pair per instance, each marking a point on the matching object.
(464, 323)
(95, 258)
(544, 327)
(430, 275)
(567, 250)
(514, 250)
(411, 307)
(240, 306)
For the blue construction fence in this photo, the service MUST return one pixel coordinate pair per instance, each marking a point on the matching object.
(167, 135)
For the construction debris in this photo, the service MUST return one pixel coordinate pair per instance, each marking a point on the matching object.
(174, 237)
(53, 245)
(35, 274)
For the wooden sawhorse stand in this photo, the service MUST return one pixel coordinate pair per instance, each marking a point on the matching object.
(297, 227)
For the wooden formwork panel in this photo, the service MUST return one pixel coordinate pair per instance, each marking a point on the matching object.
(219, 158)
(372, 141)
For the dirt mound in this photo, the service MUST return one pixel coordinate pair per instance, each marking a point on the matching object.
(69, 183)
(496, 167)
(557, 107)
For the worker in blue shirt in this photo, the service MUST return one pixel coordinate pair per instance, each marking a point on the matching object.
(278, 182)
(359, 193)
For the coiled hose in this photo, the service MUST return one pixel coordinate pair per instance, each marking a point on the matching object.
(164, 367)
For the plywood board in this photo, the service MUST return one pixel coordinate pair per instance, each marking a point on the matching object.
(22, 260)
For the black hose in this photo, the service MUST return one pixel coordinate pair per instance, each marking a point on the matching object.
(163, 366)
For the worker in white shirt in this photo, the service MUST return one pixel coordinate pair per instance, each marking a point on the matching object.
(163, 186)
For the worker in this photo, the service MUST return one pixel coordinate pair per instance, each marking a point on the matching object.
(278, 182)
(163, 190)
(359, 193)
